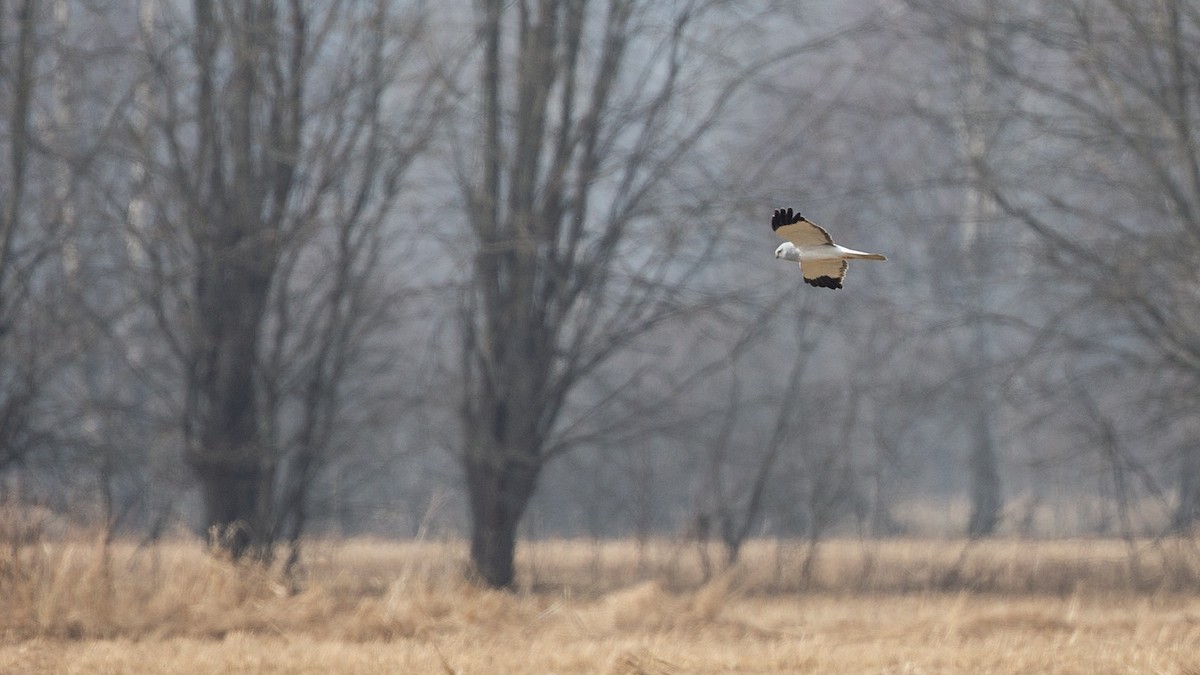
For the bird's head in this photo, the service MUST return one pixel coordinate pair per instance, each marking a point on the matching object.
(787, 251)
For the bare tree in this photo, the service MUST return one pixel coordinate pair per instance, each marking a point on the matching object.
(587, 112)
(272, 163)
(1104, 169)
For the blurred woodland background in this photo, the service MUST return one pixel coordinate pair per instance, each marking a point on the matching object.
(502, 270)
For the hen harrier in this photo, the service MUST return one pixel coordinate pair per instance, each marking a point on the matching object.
(822, 262)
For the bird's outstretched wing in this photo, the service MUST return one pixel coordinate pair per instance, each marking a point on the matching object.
(824, 273)
(798, 229)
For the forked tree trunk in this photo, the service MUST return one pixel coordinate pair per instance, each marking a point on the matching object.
(235, 221)
(226, 451)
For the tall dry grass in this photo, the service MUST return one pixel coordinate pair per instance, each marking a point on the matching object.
(371, 589)
(618, 607)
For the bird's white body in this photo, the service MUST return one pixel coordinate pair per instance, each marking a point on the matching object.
(789, 251)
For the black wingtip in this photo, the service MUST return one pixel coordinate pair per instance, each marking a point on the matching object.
(777, 220)
(783, 217)
(824, 282)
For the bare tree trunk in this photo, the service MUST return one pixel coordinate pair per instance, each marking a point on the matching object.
(1187, 511)
(499, 495)
(235, 234)
(227, 452)
(511, 328)
(985, 477)
(982, 463)
(234, 504)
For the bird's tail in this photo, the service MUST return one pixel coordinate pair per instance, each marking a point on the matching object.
(859, 255)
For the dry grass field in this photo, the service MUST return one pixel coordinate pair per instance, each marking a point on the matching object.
(904, 606)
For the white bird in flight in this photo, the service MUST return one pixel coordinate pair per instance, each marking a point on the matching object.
(822, 262)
